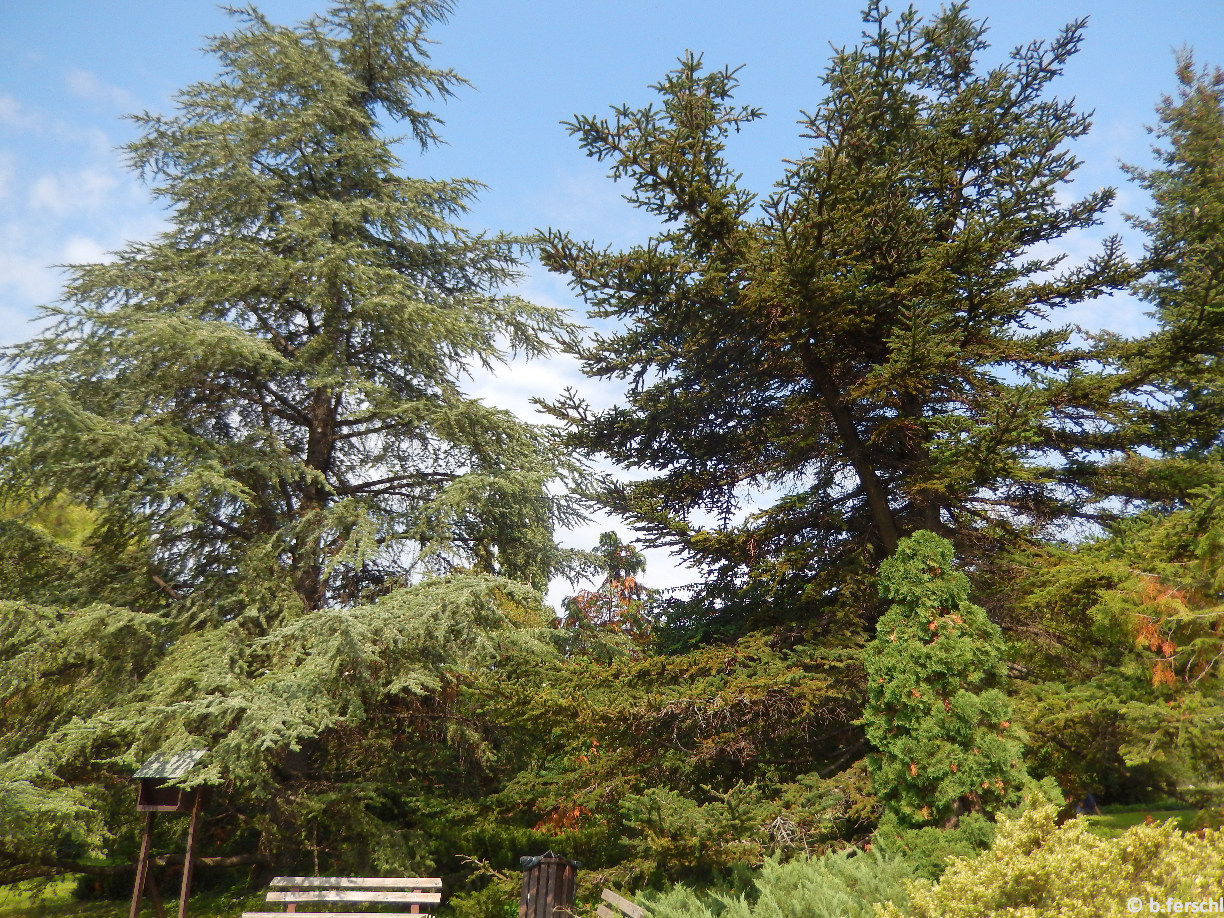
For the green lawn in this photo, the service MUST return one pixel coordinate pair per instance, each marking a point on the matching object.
(57, 902)
(22, 899)
(1113, 821)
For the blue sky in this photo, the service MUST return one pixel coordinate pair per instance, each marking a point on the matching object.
(69, 69)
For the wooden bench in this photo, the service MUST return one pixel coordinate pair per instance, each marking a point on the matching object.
(624, 908)
(326, 893)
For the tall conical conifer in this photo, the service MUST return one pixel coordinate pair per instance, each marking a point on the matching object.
(264, 403)
(270, 390)
(942, 728)
(1179, 366)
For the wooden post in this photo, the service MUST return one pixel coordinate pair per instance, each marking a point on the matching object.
(155, 793)
(189, 863)
(159, 909)
(142, 866)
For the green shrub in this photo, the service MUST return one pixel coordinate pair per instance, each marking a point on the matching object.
(499, 899)
(673, 837)
(1038, 869)
(928, 850)
(843, 884)
(942, 728)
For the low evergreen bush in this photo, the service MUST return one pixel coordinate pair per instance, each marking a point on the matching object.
(1038, 869)
(842, 884)
(928, 850)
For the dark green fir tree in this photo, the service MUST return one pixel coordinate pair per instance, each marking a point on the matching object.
(1185, 230)
(870, 351)
(1124, 692)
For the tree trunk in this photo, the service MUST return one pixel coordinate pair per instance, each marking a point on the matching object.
(855, 452)
(316, 496)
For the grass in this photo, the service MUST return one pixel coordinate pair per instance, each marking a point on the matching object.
(30, 898)
(56, 901)
(1115, 820)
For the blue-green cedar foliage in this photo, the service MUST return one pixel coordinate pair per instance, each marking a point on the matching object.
(326, 732)
(842, 884)
(263, 410)
(269, 392)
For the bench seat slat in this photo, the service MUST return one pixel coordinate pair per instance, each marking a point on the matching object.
(430, 883)
(356, 895)
(336, 914)
(629, 908)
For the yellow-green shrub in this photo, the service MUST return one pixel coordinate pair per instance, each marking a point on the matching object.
(1036, 868)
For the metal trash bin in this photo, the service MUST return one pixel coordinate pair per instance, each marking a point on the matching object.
(549, 882)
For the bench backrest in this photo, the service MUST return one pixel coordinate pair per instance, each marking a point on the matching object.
(410, 891)
(625, 908)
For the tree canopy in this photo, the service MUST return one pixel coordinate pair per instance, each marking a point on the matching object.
(869, 351)
(247, 504)
(271, 391)
(1177, 368)
(260, 416)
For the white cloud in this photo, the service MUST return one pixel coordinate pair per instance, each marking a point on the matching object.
(1121, 313)
(71, 192)
(15, 326)
(13, 115)
(7, 172)
(81, 250)
(513, 386)
(24, 278)
(21, 120)
(589, 205)
(88, 86)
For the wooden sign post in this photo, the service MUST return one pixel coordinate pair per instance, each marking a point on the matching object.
(153, 796)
